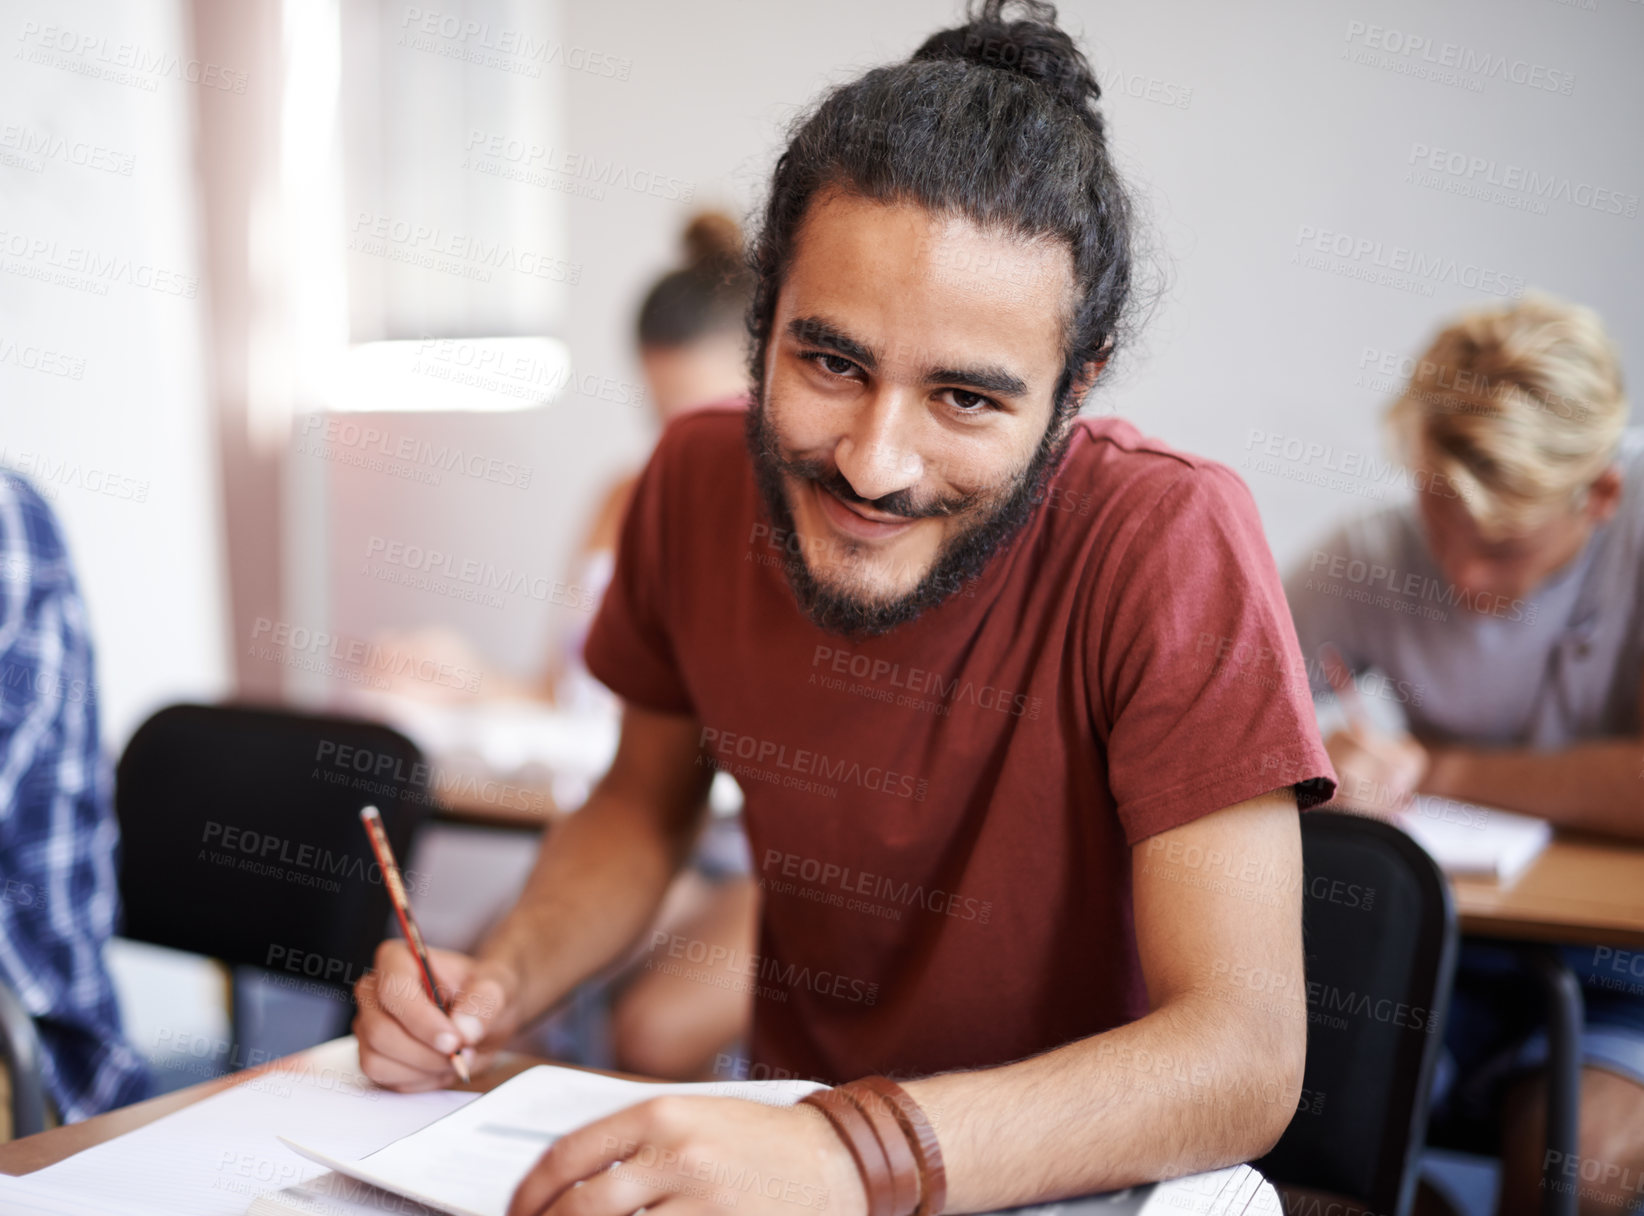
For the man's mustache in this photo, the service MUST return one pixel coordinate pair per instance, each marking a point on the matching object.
(901, 503)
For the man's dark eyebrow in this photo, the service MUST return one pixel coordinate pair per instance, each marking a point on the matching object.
(814, 331)
(992, 379)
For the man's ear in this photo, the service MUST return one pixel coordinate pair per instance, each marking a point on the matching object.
(1086, 379)
(1077, 391)
(1603, 496)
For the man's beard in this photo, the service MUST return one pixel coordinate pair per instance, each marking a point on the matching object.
(959, 560)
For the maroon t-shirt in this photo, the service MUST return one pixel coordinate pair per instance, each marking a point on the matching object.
(941, 818)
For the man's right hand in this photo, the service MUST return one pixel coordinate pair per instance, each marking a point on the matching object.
(1377, 773)
(599, 877)
(405, 1042)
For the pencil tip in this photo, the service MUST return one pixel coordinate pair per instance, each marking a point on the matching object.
(461, 1065)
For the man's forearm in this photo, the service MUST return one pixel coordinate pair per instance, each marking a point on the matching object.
(1191, 1086)
(595, 887)
(1594, 787)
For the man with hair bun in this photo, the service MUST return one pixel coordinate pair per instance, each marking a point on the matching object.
(1026, 836)
(1506, 611)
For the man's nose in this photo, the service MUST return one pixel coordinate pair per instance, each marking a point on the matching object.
(876, 453)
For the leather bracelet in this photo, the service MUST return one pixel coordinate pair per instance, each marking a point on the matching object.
(921, 1138)
(904, 1170)
(852, 1126)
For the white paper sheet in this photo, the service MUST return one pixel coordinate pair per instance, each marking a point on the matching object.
(21, 1197)
(214, 1157)
(220, 1155)
(1475, 841)
(1238, 1191)
(333, 1194)
(469, 1162)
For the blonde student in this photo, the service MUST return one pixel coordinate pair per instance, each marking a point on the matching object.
(1502, 610)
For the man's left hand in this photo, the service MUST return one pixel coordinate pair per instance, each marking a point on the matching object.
(696, 1154)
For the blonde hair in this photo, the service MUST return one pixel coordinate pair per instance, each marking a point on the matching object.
(1517, 408)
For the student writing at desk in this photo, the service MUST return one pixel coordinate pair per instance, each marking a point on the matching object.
(942, 630)
(1503, 609)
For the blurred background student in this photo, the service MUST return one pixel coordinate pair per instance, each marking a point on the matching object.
(1510, 592)
(691, 336)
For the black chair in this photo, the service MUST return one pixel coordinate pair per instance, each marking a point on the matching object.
(20, 1055)
(241, 839)
(1380, 936)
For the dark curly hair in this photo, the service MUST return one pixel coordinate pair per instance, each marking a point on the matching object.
(996, 120)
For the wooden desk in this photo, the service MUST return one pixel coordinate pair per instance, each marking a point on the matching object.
(1578, 892)
(49, 1147)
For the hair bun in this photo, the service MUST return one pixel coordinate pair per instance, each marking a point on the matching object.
(713, 240)
(1033, 46)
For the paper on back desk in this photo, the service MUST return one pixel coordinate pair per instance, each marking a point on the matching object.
(1468, 840)
(469, 1162)
(213, 1157)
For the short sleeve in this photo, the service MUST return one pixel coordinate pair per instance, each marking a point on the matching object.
(1200, 673)
(630, 648)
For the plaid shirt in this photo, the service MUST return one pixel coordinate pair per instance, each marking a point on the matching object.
(58, 837)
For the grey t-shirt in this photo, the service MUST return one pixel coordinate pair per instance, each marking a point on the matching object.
(1561, 666)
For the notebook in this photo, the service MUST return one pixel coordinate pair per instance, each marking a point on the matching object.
(469, 1162)
(1470, 841)
(333, 1194)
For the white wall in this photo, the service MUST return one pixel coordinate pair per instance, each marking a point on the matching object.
(461, 132)
(1278, 131)
(1239, 126)
(98, 262)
